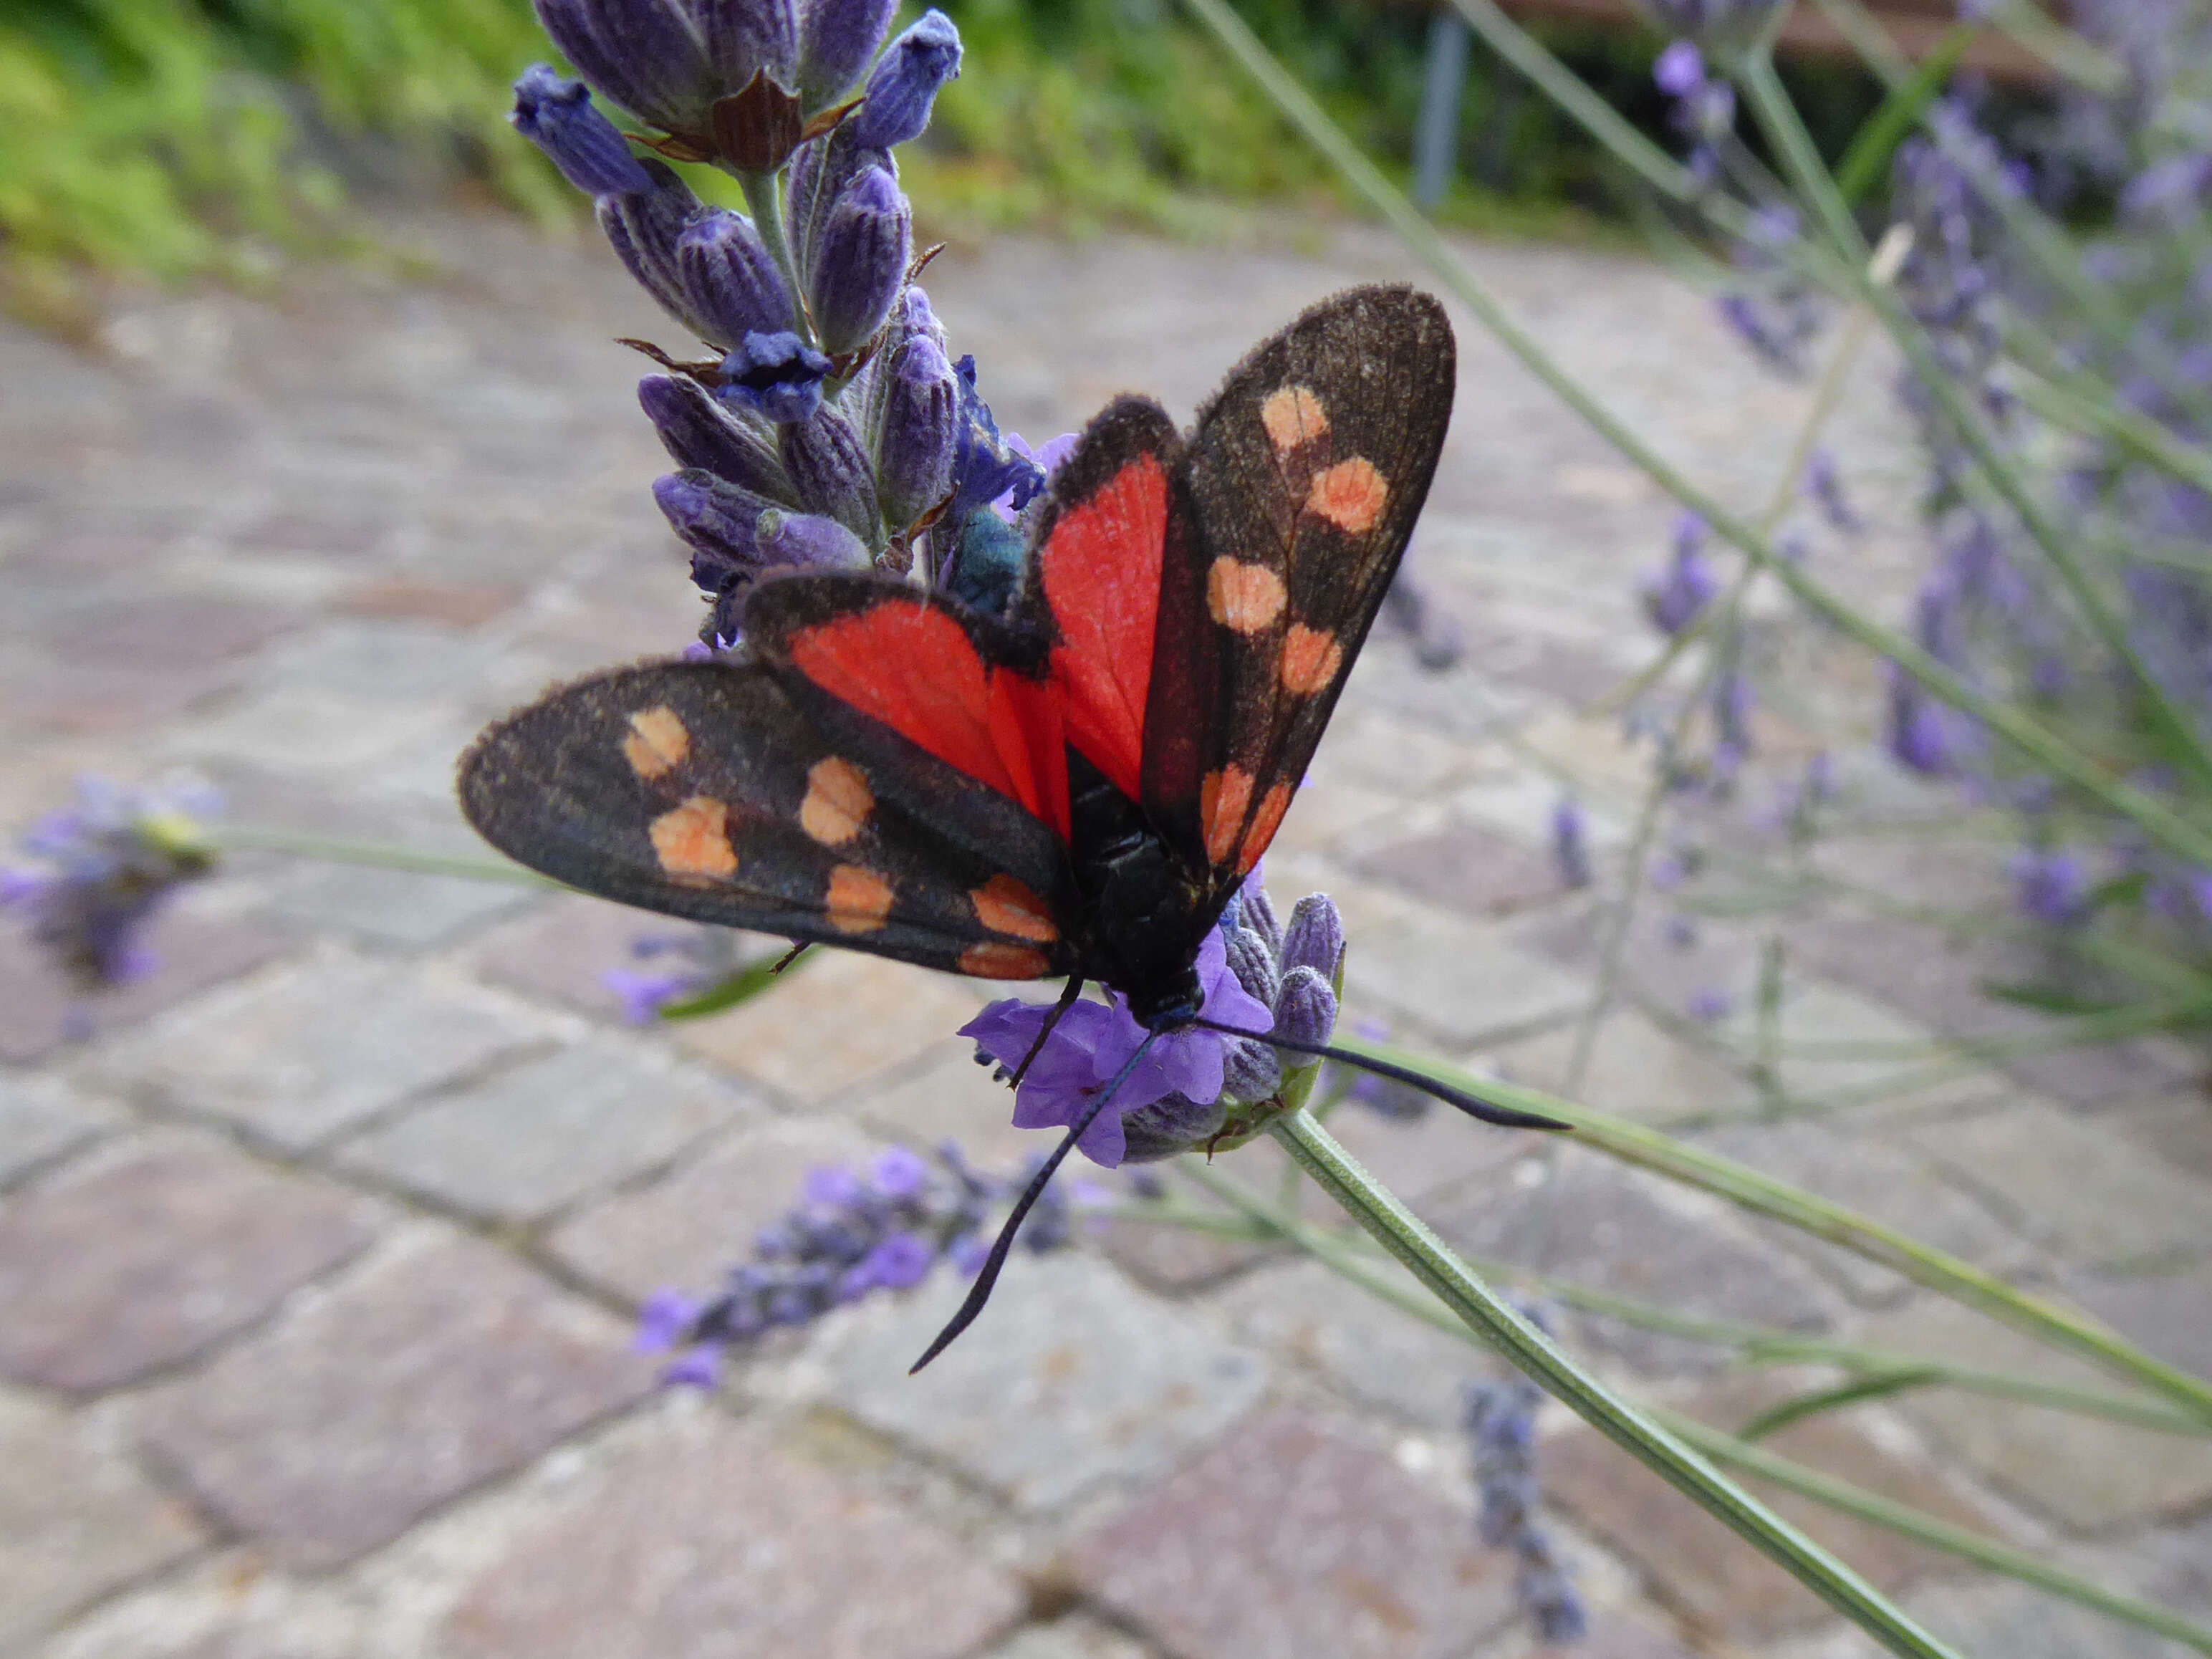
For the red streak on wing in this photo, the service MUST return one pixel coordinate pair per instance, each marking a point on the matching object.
(1102, 579)
(915, 669)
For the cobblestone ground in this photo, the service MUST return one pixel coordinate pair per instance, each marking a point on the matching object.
(317, 1258)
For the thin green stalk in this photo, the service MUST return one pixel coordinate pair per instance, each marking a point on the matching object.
(763, 201)
(1781, 1471)
(1927, 1529)
(1405, 1236)
(331, 850)
(1823, 1219)
(2190, 841)
(1356, 1258)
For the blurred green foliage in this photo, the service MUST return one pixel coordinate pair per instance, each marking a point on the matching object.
(180, 138)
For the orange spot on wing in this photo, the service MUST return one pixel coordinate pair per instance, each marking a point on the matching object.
(1007, 906)
(1311, 660)
(913, 667)
(1102, 579)
(1221, 798)
(1265, 822)
(1004, 961)
(1245, 598)
(838, 801)
(657, 742)
(860, 900)
(692, 841)
(1350, 495)
(1293, 415)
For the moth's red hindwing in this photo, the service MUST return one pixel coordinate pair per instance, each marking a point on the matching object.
(699, 790)
(1297, 492)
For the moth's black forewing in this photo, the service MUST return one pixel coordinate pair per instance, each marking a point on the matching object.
(1366, 377)
(565, 787)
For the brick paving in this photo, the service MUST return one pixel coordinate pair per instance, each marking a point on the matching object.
(317, 1251)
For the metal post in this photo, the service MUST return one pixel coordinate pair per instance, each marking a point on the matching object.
(1435, 137)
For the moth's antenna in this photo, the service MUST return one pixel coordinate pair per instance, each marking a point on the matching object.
(979, 1292)
(1068, 996)
(1506, 1117)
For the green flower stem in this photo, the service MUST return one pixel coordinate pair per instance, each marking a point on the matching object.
(333, 849)
(1800, 161)
(764, 201)
(1354, 1256)
(1405, 1236)
(1369, 1274)
(1821, 1218)
(1927, 1529)
(2189, 841)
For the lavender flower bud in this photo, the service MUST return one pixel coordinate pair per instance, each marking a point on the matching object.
(644, 54)
(861, 261)
(1255, 913)
(778, 376)
(1254, 964)
(644, 226)
(700, 430)
(1315, 938)
(1673, 599)
(919, 432)
(744, 37)
(557, 116)
(729, 279)
(1249, 1071)
(903, 88)
(1305, 1008)
(836, 39)
(1172, 1124)
(1680, 71)
(2051, 887)
(829, 469)
(718, 520)
(911, 316)
(1571, 843)
(807, 539)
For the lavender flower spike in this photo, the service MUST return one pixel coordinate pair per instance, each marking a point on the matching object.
(1501, 1425)
(778, 376)
(557, 116)
(860, 262)
(648, 56)
(807, 540)
(903, 88)
(106, 868)
(1673, 599)
(1571, 843)
(836, 39)
(2051, 887)
(920, 429)
(729, 279)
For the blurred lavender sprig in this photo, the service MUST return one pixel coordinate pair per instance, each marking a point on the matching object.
(1500, 1421)
(103, 868)
(855, 1233)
